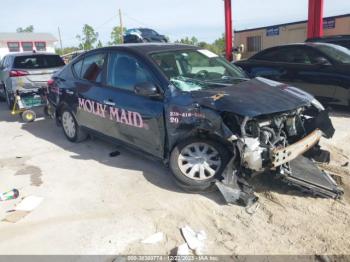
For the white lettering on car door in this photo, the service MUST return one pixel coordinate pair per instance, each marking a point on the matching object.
(116, 114)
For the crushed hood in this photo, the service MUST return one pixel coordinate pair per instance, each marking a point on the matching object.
(255, 97)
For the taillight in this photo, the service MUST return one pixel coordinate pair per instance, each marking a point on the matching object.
(50, 82)
(18, 73)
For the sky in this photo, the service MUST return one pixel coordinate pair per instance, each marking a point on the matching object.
(174, 18)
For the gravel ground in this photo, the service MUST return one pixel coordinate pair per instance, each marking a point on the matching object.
(95, 204)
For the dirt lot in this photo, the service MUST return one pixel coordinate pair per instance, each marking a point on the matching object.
(95, 204)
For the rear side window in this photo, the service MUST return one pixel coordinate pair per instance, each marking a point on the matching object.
(77, 68)
(38, 61)
(92, 69)
(272, 55)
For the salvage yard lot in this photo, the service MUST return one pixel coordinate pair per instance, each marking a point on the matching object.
(97, 204)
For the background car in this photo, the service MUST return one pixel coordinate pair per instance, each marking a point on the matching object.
(342, 40)
(318, 68)
(26, 72)
(143, 35)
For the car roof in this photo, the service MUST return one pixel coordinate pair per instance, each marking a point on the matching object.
(147, 48)
(331, 37)
(312, 44)
(29, 54)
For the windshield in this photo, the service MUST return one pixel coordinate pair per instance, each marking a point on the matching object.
(336, 52)
(191, 70)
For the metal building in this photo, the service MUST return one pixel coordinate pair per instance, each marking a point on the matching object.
(257, 39)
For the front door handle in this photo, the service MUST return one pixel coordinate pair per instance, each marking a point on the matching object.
(109, 103)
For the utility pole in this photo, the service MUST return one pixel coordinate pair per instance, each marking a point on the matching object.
(59, 35)
(121, 26)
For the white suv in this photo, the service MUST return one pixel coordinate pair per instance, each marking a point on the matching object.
(26, 72)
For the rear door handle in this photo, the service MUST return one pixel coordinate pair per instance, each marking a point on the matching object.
(109, 102)
(69, 92)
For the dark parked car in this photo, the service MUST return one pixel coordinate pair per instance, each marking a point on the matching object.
(342, 40)
(143, 35)
(190, 108)
(318, 68)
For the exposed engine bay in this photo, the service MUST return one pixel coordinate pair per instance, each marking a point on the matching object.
(278, 143)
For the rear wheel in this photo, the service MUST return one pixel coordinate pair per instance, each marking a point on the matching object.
(71, 129)
(10, 99)
(197, 163)
(2, 93)
(28, 116)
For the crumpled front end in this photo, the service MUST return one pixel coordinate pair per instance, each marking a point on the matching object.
(284, 144)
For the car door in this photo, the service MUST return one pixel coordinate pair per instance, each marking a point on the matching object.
(305, 70)
(295, 65)
(88, 91)
(135, 119)
(2, 67)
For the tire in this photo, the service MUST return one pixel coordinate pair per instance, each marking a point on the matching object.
(28, 116)
(71, 128)
(195, 179)
(10, 100)
(2, 97)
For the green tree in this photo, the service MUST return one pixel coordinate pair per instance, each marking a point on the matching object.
(188, 41)
(88, 38)
(66, 50)
(218, 46)
(28, 29)
(116, 35)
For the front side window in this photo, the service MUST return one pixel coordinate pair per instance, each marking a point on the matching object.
(27, 46)
(92, 69)
(297, 55)
(336, 52)
(40, 46)
(191, 70)
(13, 46)
(126, 71)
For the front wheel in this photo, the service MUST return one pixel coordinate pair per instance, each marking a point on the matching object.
(71, 129)
(197, 163)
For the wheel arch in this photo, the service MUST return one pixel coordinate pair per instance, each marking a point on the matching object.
(199, 134)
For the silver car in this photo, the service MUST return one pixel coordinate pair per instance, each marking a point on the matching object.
(26, 72)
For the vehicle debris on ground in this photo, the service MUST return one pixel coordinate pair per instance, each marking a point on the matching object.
(13, 194)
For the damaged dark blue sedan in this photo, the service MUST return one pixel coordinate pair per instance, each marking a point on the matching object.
(198, 113)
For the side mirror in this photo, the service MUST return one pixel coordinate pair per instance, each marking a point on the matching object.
(322, 61)
(146, 89)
